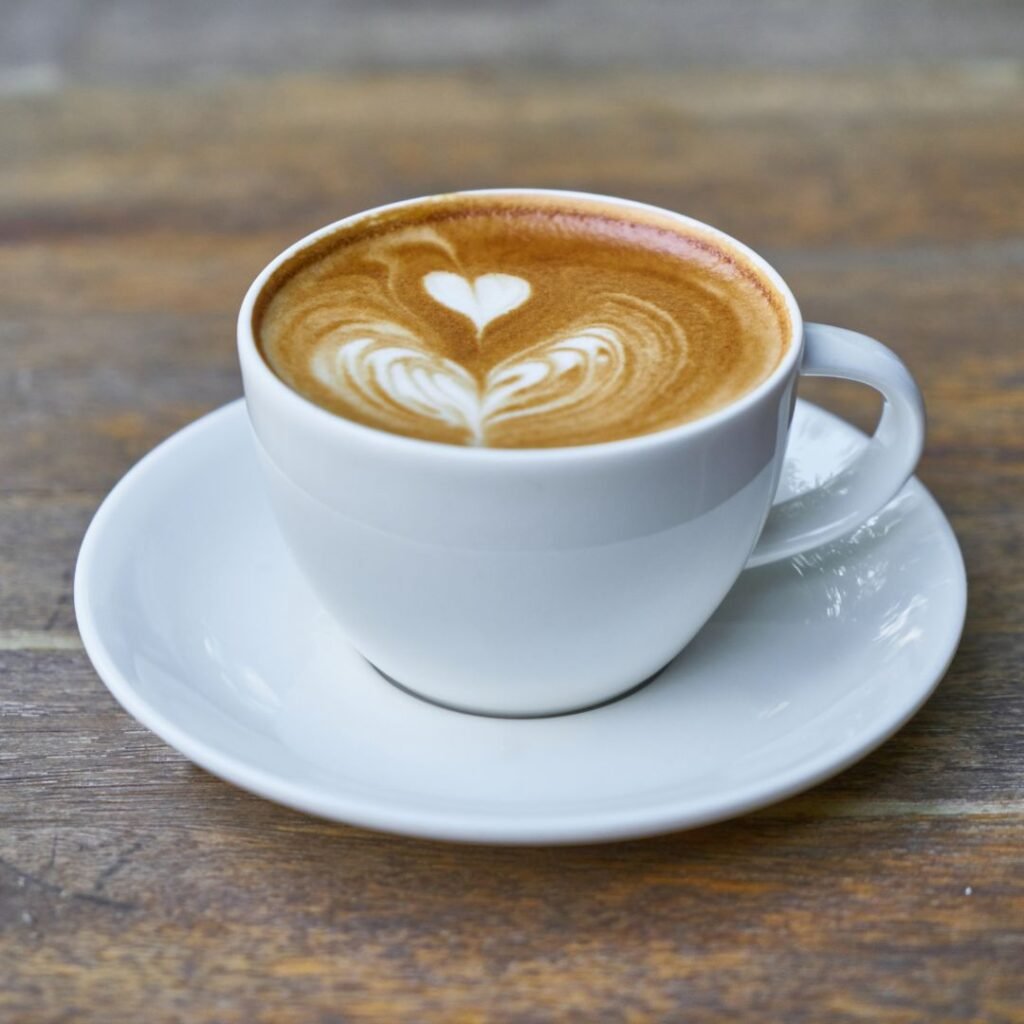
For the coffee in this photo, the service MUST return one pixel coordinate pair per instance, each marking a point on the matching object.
(513, 321)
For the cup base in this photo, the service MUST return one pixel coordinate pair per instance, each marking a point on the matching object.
(518, 715)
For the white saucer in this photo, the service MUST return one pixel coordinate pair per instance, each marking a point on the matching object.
(195, 619)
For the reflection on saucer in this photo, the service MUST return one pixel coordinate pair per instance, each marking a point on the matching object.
(195, 618)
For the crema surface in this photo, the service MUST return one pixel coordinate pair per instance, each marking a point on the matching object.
(520, 322)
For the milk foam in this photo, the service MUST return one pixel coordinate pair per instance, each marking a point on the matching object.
(386, 370)
(483, 299)
(496, 328)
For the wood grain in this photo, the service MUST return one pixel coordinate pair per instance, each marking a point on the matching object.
(142, 41)
(136, 887)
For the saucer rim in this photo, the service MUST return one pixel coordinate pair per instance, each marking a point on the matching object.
(582, 827)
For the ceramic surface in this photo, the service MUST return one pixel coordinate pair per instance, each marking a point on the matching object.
(536, 581)
(197, 620)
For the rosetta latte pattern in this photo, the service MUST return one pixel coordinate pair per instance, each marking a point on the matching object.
(387, 371)
(511, 328)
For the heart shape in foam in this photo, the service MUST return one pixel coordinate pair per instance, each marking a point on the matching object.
(482, 300)
(391, 375)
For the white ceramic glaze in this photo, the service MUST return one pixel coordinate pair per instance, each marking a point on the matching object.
(200, 624)
(530, 582)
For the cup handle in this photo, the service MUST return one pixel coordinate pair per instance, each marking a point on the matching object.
(879, 471)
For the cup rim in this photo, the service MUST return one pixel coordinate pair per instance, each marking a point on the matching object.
(319, 418)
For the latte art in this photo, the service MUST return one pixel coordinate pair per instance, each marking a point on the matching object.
(392, 376)
(482, 300)
(485, 324)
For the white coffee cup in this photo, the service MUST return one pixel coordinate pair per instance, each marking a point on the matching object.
(538, 581)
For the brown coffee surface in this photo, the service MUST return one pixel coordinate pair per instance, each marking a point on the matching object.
(520, 322)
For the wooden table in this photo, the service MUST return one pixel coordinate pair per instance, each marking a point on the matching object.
(134, 886)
